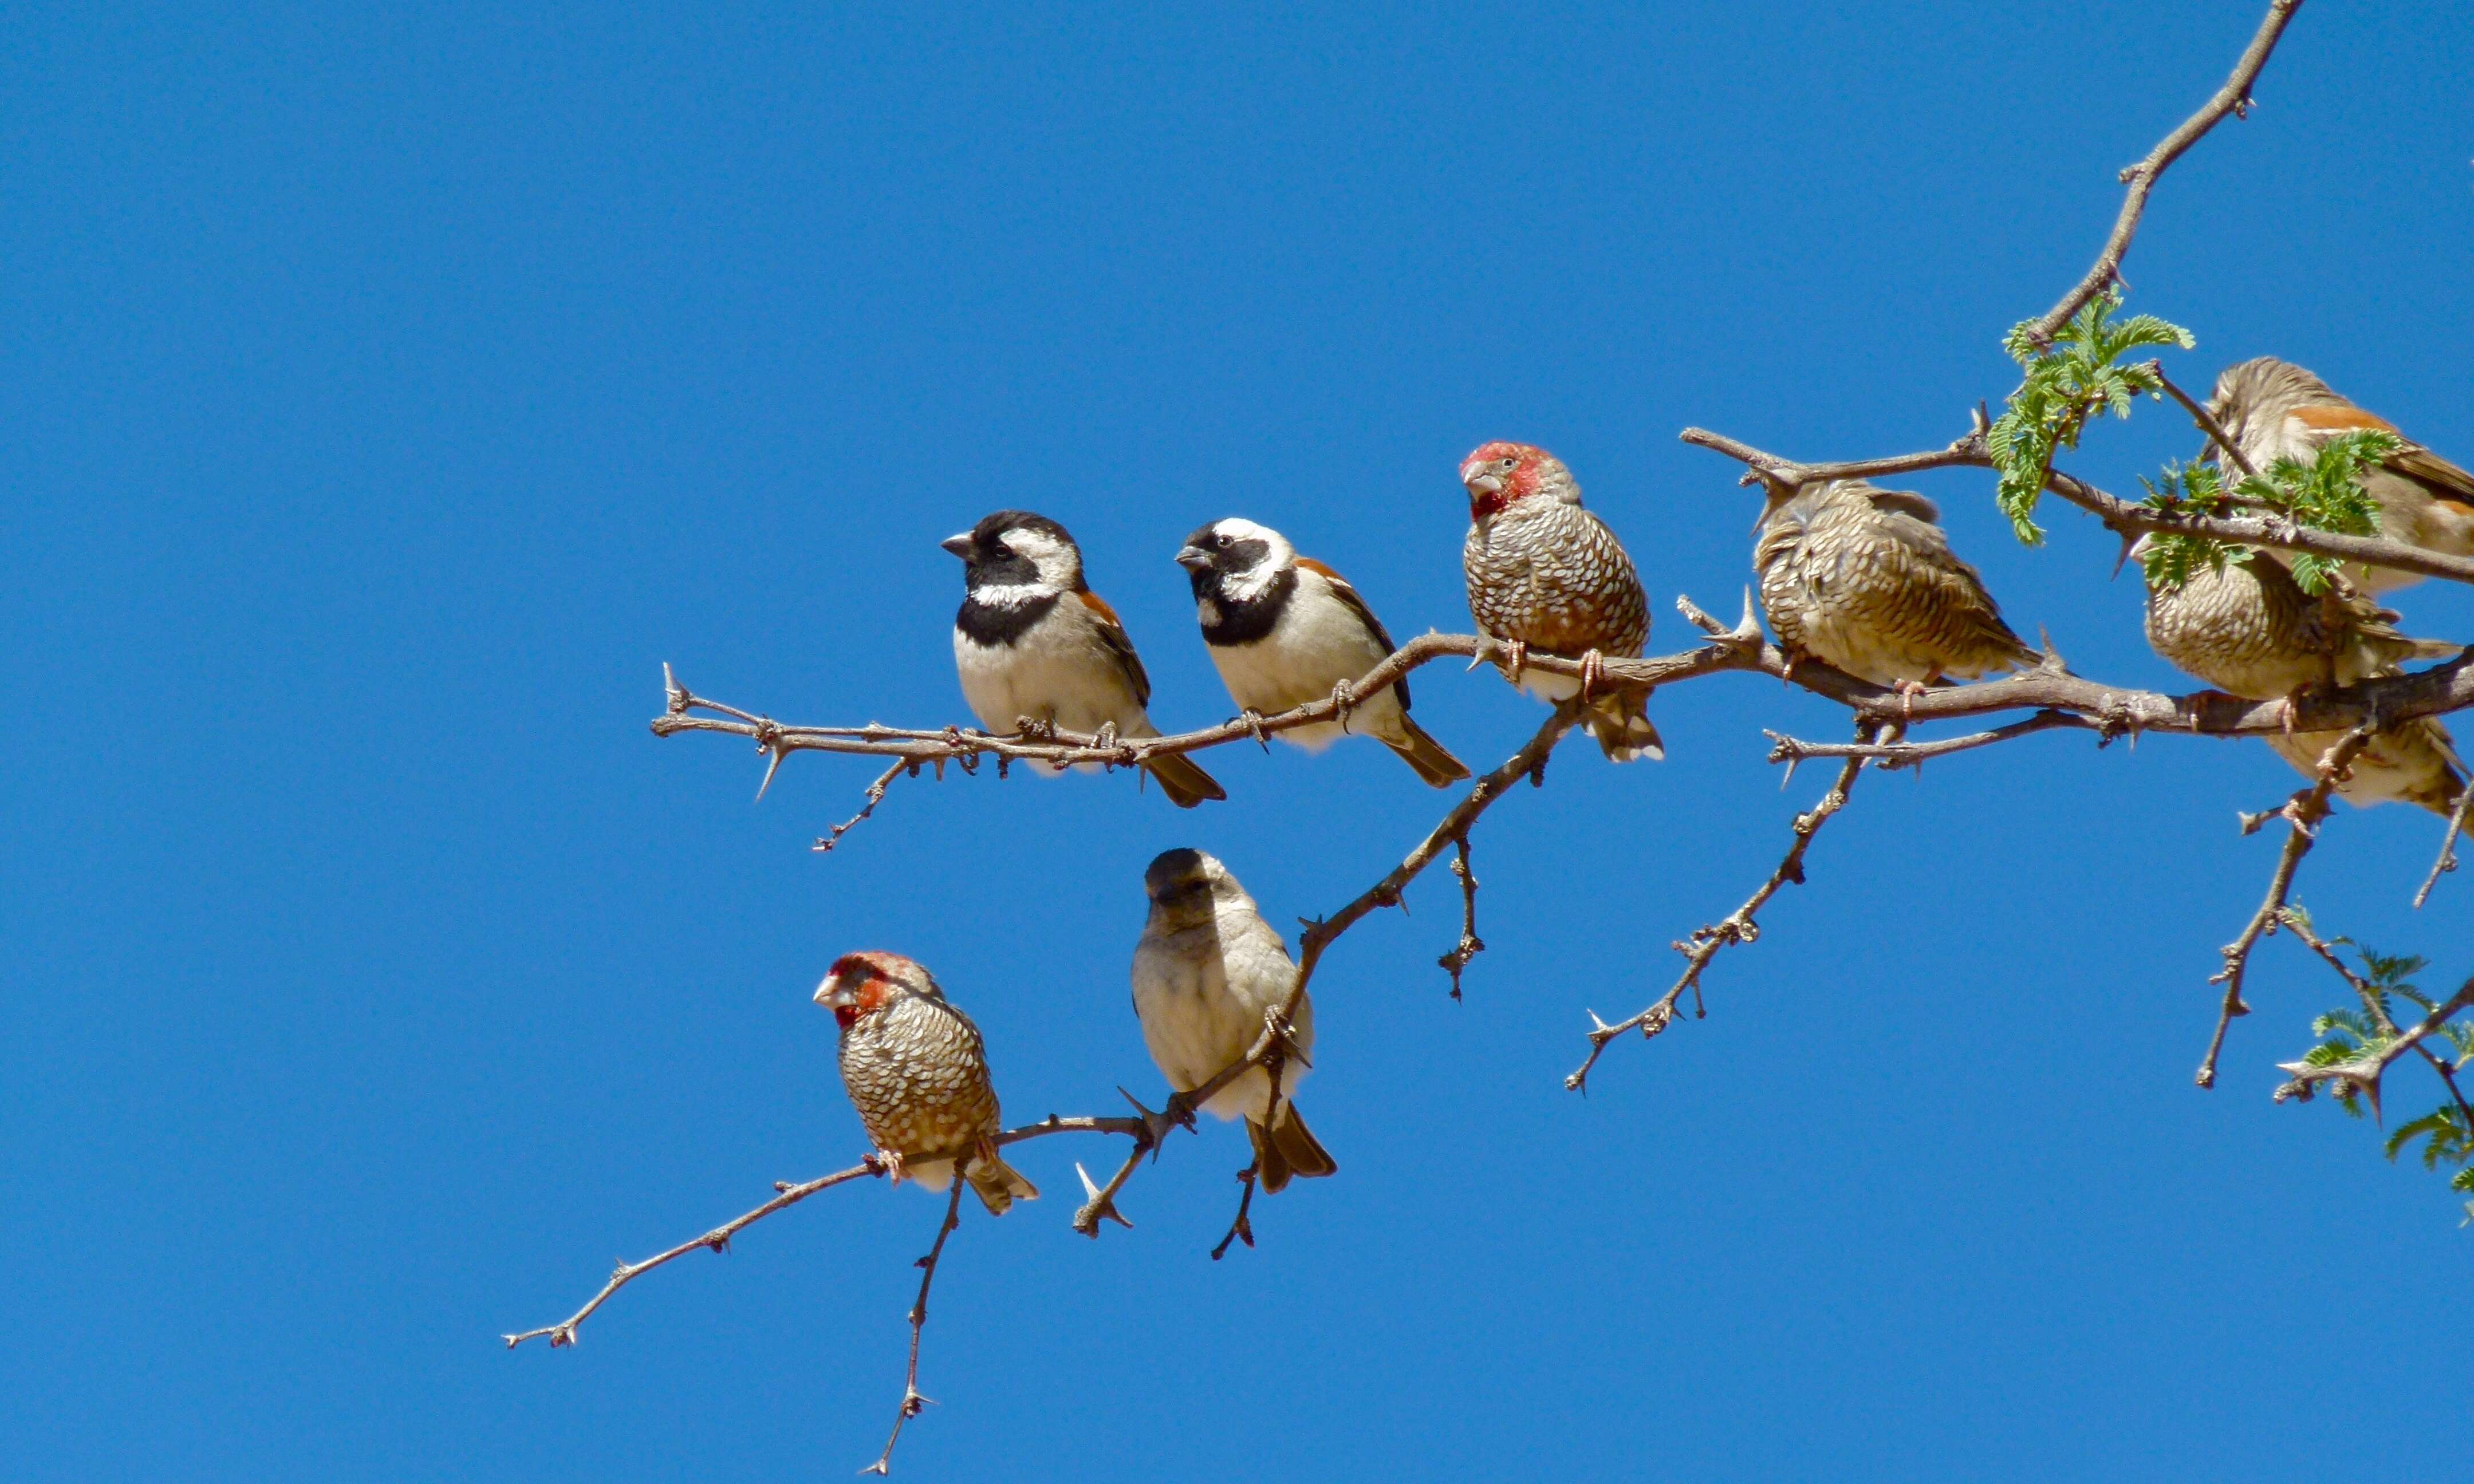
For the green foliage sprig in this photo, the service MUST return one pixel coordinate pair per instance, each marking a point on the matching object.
(2325, 494)
(2350, 1035)
(2066, 383)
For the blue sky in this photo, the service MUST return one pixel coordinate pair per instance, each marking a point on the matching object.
(389, 395)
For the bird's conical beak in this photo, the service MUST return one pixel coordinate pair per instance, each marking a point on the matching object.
(831, 993)
(1193, 559)
(1484, 484)
(958, 546)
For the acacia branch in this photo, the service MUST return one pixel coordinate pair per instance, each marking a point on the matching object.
(2123, 517)
(2233, 98)
(2303, 813)
(2206, 419)
(2447, 861)
(1890, 756)
(2364, 1072)
(2298, 922)
(911, 1401)
(787, 1195)
(1738, 926)
(2111, 709)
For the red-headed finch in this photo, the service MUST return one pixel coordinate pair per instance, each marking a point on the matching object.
(918, 1074)
(1546, 575)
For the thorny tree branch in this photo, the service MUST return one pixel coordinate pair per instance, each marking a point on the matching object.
(2364, 1072)
(787, 1195)
(2447, 861)
(2206, 419)
(2233, 98)
(2303, 813)
(1738, 926)
(2123, 517)
(1470, 944)
(2111, 709)
(911, 1401)
(2298, 924)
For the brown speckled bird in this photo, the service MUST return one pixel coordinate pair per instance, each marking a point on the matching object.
(917, 1073)
(1865, 579)
(2249, 630)
(1545, 574)
(2274, 409)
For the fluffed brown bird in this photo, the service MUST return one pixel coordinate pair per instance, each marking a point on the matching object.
(2274, 409)
(1544, 574)
(2249, 630)
(1865, 578)
(917, 1072)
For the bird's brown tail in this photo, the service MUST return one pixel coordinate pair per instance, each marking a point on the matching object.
(1620, 723)
(1290, 1151)
(1185, 784)
(1421, 751)
(999, 1185)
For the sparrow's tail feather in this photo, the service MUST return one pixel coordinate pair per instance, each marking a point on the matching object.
(1289, 1151)
(1185, 784)
(1620, 723)
(999, 1185)
(1421, 751)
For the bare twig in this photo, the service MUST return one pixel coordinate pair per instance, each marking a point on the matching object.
(718, 1239)
(911, 1401)
(1738, 926)
(2206, 419)
(787, 1195)
(1470, 944)
(2303, 813)
(2447, 861)
(1891, 756)
(2233, 98)
(875, 797)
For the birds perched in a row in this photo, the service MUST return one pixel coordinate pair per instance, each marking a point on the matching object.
(1865, 579)
(916, 1070)
(2250, 630)
(1286, 629)
(1206, 971)
(1546, 575)
(1033, 641)
(2272, 409)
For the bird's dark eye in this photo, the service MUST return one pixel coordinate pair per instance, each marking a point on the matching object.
(1220, 538)
(1507, 463)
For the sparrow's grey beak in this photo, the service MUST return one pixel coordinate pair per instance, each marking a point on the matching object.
(958, 546)
(832, 993)
(1484, 484)
(1193, 559)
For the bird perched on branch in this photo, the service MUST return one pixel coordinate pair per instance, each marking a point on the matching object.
(1033, 641)
(918, 1074)
(1865, 578)
(2273, 409)
(2248, 629)
(1286, 629)
(1544, 574)
(1206, 972)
